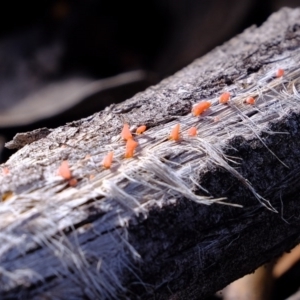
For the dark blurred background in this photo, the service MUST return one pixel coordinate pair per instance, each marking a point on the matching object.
(61, 60)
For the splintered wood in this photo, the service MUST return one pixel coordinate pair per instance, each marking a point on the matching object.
(203, 196)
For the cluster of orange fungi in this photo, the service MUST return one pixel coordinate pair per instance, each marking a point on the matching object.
(131, 145)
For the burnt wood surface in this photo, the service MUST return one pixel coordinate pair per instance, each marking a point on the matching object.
(181, 219)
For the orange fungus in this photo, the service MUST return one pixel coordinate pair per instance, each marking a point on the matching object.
(224, 98)
(126, 134)
(201, 107)
(279, 73)
(130, 148)
(141, 129)
(107, 161)
(64, 170)
(175, 133)
(250, 100)
(192, 131)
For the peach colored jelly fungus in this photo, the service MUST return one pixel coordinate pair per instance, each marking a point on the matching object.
(201, 107)
(250, 100)
(141, 129)
(192, 131)
(64, 170)
(224, 98)
(126, 134)
(130, 148)
(107, 161)
(279, 73)
(175, 133)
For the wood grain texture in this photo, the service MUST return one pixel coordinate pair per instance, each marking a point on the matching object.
(155, 226)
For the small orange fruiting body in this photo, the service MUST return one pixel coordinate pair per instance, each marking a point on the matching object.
(73, 182)
(141, 129)
(279, 73)
(107, 161)
(250, 100)
(5, 171)
(64, 170)
(175, 133)
(224, 98)
(201, 107)
(130, 148)
(126, 134)
(192, 131)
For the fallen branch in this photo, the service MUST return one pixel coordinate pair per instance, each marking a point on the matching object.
(182, 219)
